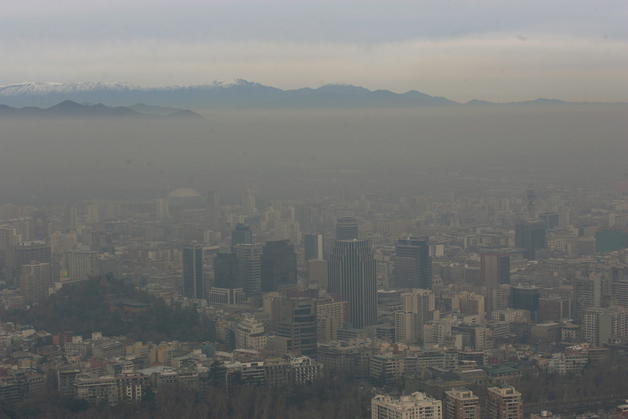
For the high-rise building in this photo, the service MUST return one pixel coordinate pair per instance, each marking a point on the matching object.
(8, 241)
(494, 269)
(249, 201)
(413, 406)
(279, 265)
(82, 264)
(587, 294)
(408, 327)
(34, 282)
(421, 302)
(498, 298)
(530, 236)
(619, 283)
(213, 208)
(504, 402)
(412, 264)
(317, 273)
(297, 324)
(605, 325)
(226, 271)
(418, 307)
(249, 334)
(162, 209)
(554, 308)
(330, 317)
(550, 219)
(313, 244)
(241, 234)
(461, 403)
(526, 298)
(193, 279)
(27, 253)
(347, 228)
(469, 304)
(249, 271)
(352, 279)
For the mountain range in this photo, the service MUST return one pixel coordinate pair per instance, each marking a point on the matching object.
(71, 109)
(240, 94)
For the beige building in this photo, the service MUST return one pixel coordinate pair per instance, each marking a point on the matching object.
(330, 317)
(504, 402)
(414, 406)
(461, 403)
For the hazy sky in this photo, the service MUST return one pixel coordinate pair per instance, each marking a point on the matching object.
(462, 49)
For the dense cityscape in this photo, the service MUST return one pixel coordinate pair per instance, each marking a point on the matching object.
(321, 209)
(461, 306)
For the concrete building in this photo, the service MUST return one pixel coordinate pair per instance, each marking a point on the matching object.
(82, 264)
(504, 402)
(412, 264)
(249, 268)
(193, 279)
(347, 228)
(494, 269)
(330, 317)
(605, 325)
(317, 273)
(278, 265)
(352, 278)
(414, 406)
(297, 324)
(249, 334)
(461, 403)
(35, 281)
(313, 246)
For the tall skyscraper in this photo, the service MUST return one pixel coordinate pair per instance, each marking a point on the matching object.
(347, 228)
(530, 236)
(412, 264)
(352, 279)
(504, 402)
(213, 209)
(317, 273)
(249, 271)
(193, 279)
(494, 269)
(34, 282)
(279, 265)
(226, 271)
(313, 244)
(461, 403)
(248, 200)
(242, 234)
(587, 293)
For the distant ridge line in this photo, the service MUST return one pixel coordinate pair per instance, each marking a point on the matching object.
(240, 94)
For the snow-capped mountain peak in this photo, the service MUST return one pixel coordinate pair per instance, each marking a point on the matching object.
(42, 88)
